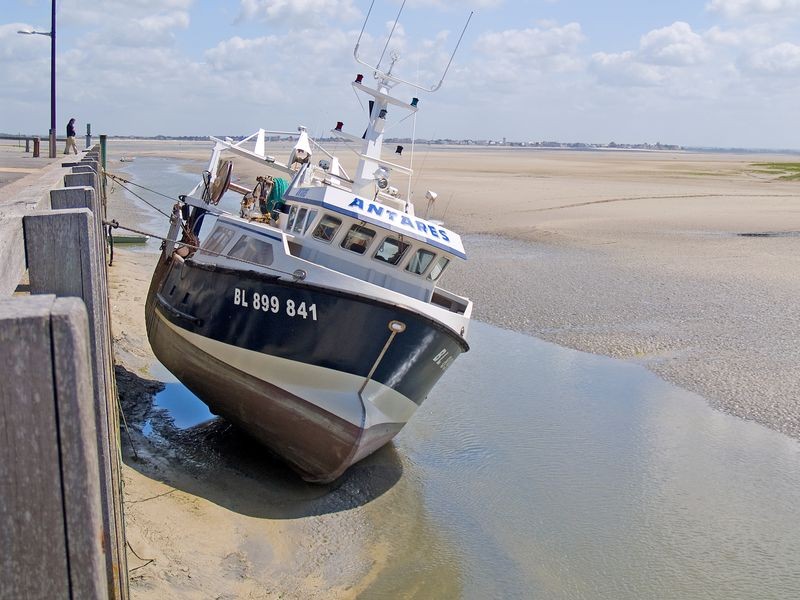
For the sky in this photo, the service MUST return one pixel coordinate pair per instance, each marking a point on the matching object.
(713, 73)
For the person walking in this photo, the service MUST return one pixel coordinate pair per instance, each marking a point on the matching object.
(71, 137)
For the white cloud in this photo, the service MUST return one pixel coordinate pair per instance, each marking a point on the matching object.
(623, 69)
(80, 12)
(449, 4)
(25, 61)
(299, 11)
(783, 59)
(753, 36)
(736, 9)
(664, 57)
(130, 23)
(532, 43)
(673, 45)
(547, 48)
(282, 52)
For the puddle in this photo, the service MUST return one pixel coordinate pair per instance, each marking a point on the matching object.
(180, 405)
(770, 234)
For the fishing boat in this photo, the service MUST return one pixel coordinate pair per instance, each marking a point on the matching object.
(313, 318)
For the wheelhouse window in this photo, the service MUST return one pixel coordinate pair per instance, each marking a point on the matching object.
(438, 268)
(300, 219)
(421, 260)
(303, 220)
(252, 250)
(391, 251)
(292, 218)
(217, 241)
(326, 228)
(358, 239)
(312, 214)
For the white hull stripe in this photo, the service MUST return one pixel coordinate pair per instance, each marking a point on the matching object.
(331, 390)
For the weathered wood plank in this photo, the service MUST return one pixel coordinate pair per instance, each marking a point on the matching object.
(83, 507)
(33, 560)
(63, 259)
(82, 179)
(12, 249)
(59, 245)
(84, 197)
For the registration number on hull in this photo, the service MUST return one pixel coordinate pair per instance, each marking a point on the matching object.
(273, 304)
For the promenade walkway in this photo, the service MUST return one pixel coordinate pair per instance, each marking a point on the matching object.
(15, 163)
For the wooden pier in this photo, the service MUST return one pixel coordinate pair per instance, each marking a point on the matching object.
(61, 515)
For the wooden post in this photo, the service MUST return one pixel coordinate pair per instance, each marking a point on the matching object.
(103, 161)
(36, 144)
(103, 139)
(85, 197)
(50, 505)
(65, 258)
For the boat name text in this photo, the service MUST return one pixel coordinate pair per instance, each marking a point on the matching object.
(273, 304)
(397, 217)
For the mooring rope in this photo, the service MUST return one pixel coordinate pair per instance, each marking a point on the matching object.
(121, 181)
(114, 224)
(136, 554)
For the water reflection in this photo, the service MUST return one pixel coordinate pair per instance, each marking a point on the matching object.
(562, 474)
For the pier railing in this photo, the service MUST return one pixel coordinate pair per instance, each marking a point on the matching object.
(61, 518)
(33, 142)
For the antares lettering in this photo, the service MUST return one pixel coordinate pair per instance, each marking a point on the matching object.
(381, 211)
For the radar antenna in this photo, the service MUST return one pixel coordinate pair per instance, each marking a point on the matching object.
(387, 75)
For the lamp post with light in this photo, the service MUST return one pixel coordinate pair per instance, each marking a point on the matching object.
(52, 35)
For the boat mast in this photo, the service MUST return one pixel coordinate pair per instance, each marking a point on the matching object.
(372, 170)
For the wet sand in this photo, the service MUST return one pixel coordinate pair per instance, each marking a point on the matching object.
(632, 255)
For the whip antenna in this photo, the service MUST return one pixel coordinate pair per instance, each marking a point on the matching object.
(387, 75)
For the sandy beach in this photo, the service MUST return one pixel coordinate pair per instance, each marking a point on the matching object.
(685, 263)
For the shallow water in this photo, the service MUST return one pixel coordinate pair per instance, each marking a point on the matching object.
(539, 471)
(562, 474)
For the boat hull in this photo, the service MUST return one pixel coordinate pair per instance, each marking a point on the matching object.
(315, 374)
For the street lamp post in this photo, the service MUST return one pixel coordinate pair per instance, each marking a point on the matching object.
(52, 35)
